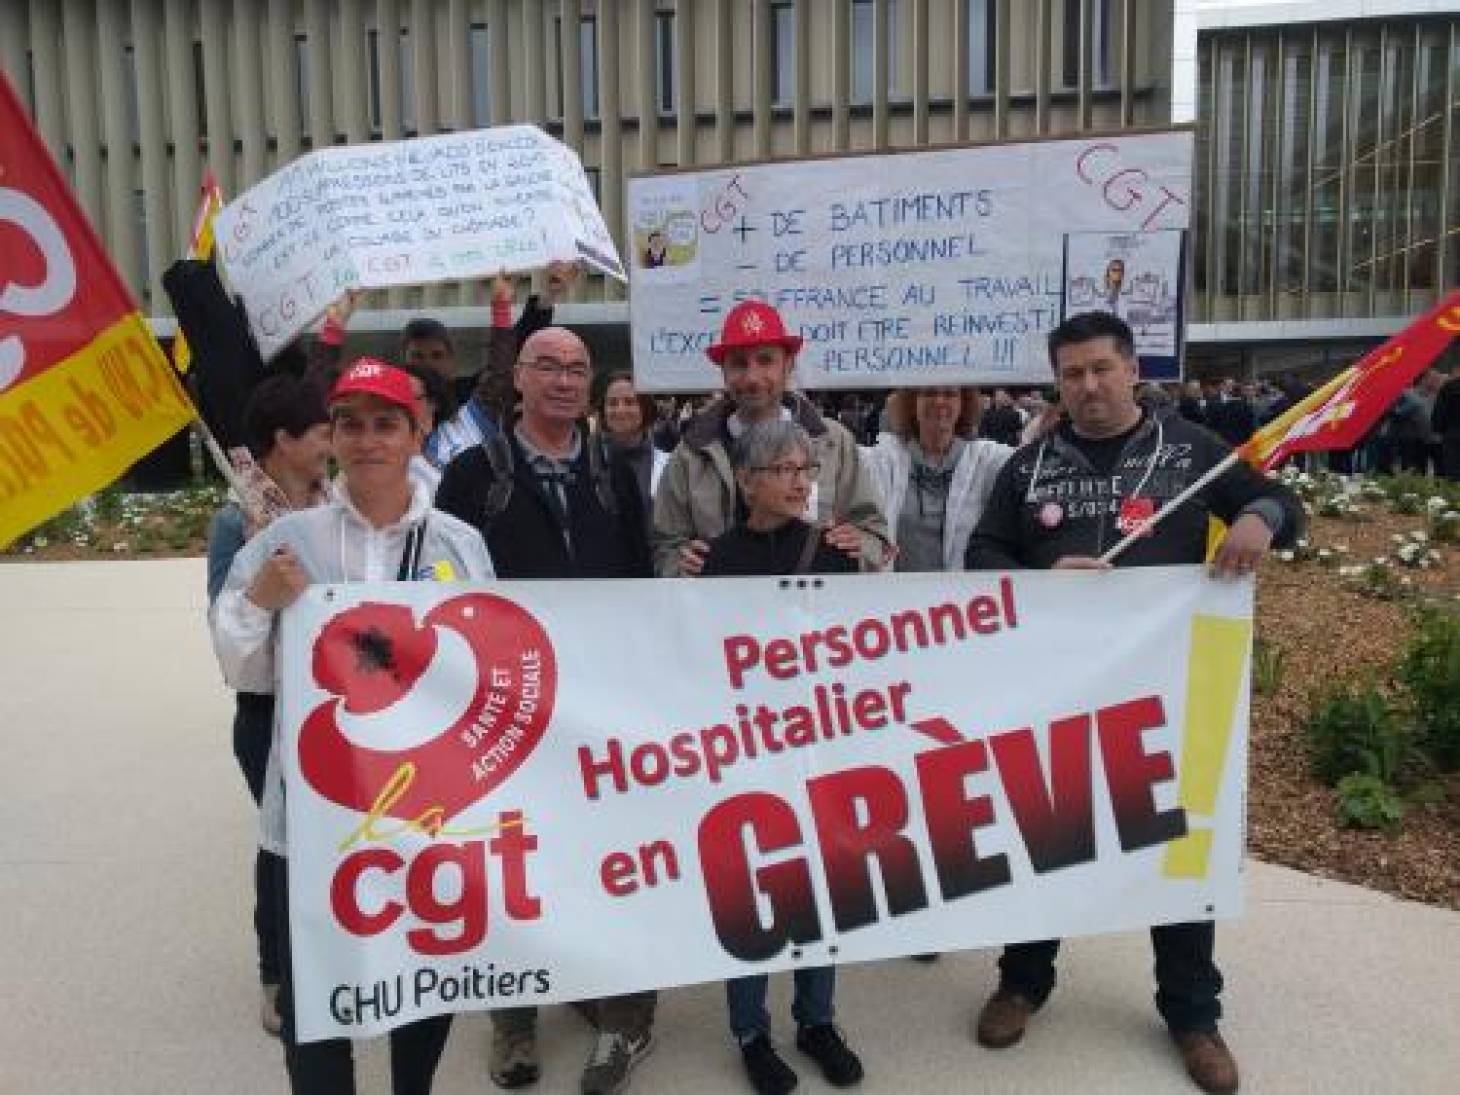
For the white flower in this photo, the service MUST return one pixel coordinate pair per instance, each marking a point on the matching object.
(1435, 503)
(1285, 556)
(1419, 537)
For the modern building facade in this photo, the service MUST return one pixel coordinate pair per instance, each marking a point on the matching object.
(135, 97)
(1327, 177)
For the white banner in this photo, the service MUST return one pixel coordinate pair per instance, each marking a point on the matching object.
(531, 792)
(914, 268)
(459, 205)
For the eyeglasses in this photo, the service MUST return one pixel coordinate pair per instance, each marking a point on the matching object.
(550, 367)
(788, 472)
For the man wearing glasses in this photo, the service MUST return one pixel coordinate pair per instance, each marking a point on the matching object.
(698, 499)
(550, 506)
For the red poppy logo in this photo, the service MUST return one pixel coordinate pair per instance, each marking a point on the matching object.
(373, 656)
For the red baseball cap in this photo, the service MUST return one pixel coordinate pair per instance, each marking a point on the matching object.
(371, 376)
(752, 323)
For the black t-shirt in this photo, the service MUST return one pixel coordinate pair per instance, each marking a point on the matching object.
(1102, 452)
(743, 551)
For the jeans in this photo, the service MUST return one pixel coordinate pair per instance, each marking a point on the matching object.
(328, 1067)
(253, 733)
(811, 1006)
(1188, 983)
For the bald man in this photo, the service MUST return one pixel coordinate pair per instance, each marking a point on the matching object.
(550, 507)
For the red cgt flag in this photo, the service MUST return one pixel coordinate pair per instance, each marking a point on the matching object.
(1341, 412)
(84, 388)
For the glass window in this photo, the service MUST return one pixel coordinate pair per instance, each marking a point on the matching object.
(479, 44)
(407, 68)
(372, 49)
(664, 61)
(1429, 133)
(200, 89)
(783, 53)
(982, 15)
(1103, 22)
(134, 113)
(301, 78)
(864, 30)
(588, 64)
(1231, 104)
(1293, 166)
(1363, 203)
(1327, 139)
(1257, 186)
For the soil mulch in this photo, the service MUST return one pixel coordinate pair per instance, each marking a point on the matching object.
(1328, 633)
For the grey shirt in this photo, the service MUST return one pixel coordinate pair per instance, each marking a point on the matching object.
(925, 509)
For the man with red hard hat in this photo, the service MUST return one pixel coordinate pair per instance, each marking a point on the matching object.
(697, 498)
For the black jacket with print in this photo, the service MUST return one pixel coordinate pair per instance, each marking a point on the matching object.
(1049, 502)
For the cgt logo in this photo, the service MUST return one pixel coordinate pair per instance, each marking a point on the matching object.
(387, 674)
(373, 657)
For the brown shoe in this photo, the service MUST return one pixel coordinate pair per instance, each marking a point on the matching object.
(1002, 1021)
(1208, 1061)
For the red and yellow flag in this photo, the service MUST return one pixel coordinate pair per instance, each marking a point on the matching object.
(200, 247)
(1342, 411)
(85, 390)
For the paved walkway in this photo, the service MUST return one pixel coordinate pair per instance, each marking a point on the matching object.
(126, 964)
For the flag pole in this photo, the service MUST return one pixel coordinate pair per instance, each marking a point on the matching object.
(1181, 499)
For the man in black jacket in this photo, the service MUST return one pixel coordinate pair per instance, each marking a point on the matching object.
(550, 507)
(1062, 502)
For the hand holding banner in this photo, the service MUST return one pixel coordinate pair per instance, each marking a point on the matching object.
(486, 810)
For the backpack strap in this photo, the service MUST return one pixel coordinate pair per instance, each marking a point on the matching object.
(600, 474)
(498, 450)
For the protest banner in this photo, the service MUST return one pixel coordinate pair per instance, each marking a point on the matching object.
(85, 390)
(458, 205)
(489, 804)
(945, 266)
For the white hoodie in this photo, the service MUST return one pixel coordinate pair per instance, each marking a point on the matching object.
(889, 462)
(333, 544)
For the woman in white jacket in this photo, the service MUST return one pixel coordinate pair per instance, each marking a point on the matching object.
(934, 474)
(377, 526)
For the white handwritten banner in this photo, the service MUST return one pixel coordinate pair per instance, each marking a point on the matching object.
(460, 205)
(915, 268)
(490, 805)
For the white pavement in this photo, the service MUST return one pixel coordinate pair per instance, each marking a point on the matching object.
(126, 953)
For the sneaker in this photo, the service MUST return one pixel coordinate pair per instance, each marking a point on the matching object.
(613, 1058)
(1002, 1021)
(269, 1017)
(514, 1056)
(825, 1045)
(1208, 1061)
(769, 1075)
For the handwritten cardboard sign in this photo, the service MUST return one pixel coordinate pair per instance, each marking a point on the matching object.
(944, 266)
(460, 205)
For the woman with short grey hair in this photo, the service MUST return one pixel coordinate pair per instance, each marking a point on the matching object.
(776, 476)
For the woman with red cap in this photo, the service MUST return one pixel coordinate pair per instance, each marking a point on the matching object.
(376, 526)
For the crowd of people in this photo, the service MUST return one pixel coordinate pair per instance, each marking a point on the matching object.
(533, 471)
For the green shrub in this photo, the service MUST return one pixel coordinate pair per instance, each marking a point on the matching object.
(1429, 669)
(1356, 728)
(1367, 802)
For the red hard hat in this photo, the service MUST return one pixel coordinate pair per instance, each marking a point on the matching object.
(752, 323)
